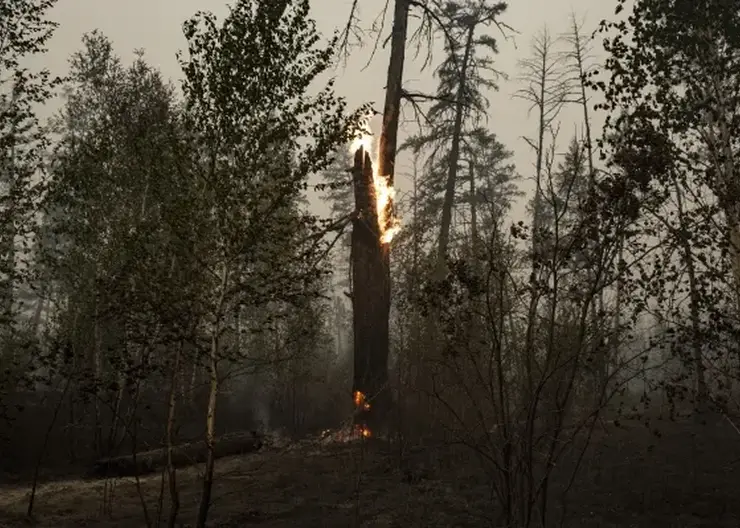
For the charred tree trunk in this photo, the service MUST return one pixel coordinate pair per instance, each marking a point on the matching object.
(370, 260)
(371, 304)
(394, 87)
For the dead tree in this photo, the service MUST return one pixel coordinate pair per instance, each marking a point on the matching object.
(371, 304)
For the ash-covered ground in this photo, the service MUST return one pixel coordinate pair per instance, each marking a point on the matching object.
(670, 474)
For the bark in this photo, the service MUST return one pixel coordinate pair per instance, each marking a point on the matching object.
(413, 283)
(473, 215)
(735, 253)
(449, 199)
(97, 370)
(38, 312)
(370, 302)
(540, 99)
(171, 470)
(537, 213)
(7, 241)
(578, 57)
(205, 500)
(719, 139)
(121, 382)
(694, 298)
(731, 206)
(370, 258)
(616, 338)
(387, 145)
(580, 63)
(113, 432)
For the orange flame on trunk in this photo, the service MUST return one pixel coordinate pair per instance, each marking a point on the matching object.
(362, 404)
(361, 401)
(384, 192)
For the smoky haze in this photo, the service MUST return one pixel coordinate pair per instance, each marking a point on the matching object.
(551, 339)
(156, 27)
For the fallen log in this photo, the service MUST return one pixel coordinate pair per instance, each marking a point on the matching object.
(183, 455)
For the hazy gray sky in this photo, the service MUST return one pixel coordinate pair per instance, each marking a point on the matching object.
(155, 25)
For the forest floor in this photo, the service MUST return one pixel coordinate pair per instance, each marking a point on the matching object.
(687, 475)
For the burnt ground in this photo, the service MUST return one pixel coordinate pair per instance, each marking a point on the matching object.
(670, 474)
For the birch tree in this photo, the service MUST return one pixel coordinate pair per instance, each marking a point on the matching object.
(24, 32)
(247, 103)
(112, 172)
(672, 97)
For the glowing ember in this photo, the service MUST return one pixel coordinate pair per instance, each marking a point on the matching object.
(364, 431)
(361, 401)
(384, 193)
(362, 404)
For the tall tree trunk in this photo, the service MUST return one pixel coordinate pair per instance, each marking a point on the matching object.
(597, 304)
(97, 373)
(539, 161)
(38, 312)
(415, 349)
(387, 144)
(615, 340)
(370, 258)
(205, 499)
(117, 402)
(213, 356)
(580, 64)
(541, 102)
(720, 138)
(449, 199)
(171, 471)
(371, 305)
(702, 395)
(7, 244)
(731, 200)
(473, 215)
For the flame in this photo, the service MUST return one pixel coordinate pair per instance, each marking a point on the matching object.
(361, 401)
(364, 141)
(384, 193)
(364, 431)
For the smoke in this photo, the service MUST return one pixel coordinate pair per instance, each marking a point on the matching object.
(261, 409)
(250, 396)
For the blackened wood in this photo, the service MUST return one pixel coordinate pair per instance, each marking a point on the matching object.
(370, 300)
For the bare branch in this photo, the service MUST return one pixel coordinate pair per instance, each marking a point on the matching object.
(351, 28)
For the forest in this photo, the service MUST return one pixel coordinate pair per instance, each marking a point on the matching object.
(233, 298)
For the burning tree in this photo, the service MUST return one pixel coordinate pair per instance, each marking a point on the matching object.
(373, 228)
